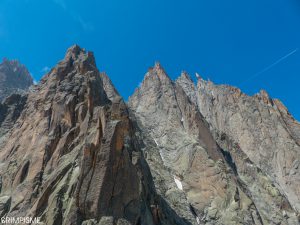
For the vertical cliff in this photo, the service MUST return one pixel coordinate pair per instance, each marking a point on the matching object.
(188, 166)
(71, 156)
(72, 152)
(260, 136)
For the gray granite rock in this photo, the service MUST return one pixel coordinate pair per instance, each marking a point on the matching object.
(260, 138)
(74, 153)
(189, 169)
(14, 78)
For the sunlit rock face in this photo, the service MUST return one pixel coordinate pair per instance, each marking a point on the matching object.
(72, 157)
(72, 152)
(262, 138)
(201, 143)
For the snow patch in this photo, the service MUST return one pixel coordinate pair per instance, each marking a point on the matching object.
(161, 155)
(178, 183)
(155, 142)
(198, 220)
(182, 119)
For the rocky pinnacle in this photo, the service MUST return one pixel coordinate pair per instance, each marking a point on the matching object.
(73, 152)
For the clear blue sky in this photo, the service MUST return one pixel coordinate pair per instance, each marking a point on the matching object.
(227, 41)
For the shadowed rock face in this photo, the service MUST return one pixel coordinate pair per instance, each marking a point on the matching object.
(73, 153)
(14, 78)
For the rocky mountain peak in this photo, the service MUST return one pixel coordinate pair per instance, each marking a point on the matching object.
(186, 76)
(156, 84)
(159, 72)
(186, 82)
(264, 96)
(180, 145)
(252, 123)
(14, 78)
(78, 160)
(179, 153)
(76, 60)
(16, 69)
(158, 66)
(75, 52)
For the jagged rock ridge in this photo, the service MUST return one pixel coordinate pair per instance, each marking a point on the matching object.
(170, 113)
(78, 161)
(73, 152)
(262, 139)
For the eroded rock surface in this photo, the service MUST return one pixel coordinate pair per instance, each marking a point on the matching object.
(74, 153)
(72, 156)
(263, 129)
(261, 138)
(188, 166)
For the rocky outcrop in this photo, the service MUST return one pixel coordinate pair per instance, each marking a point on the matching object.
(72, 156)
(189, 169)
(109, 88)
(256, 135)
(14, 78)
(10, 111)
(262, 128)
(72, 152)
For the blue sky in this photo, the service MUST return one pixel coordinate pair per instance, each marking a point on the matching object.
(251, 44)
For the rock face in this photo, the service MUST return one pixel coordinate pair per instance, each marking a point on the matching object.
(72, 152)
(207, 189)
(221, 183)
(262, 139)
(263, 130)
(14, 78)
(78, 161)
